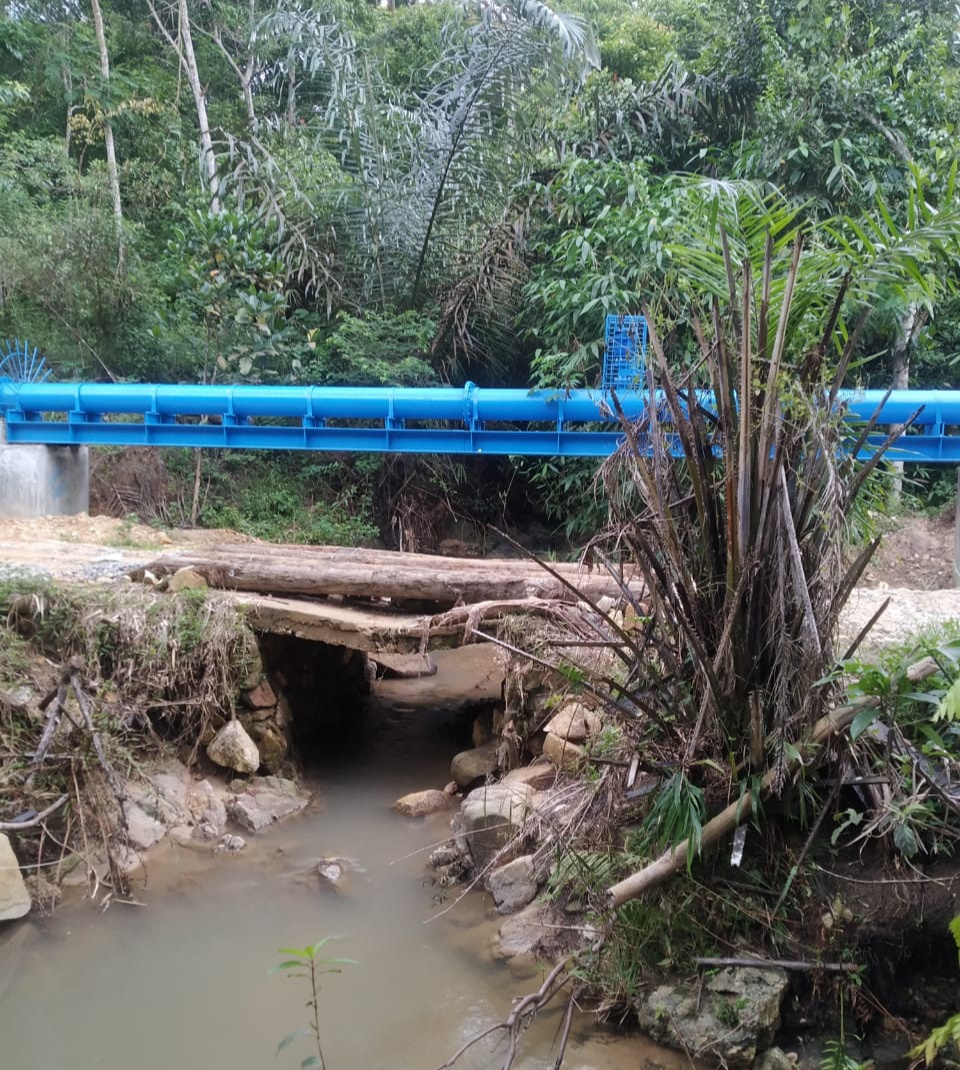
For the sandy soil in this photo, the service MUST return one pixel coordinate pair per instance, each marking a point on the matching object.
(917, 553)
(94, 547)
(913, 568)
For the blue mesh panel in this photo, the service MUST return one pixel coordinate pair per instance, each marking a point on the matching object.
(625, 353)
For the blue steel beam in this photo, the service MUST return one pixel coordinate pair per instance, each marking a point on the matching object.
(397, 420)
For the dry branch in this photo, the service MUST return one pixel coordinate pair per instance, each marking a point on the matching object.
(470, 616)
(112, 779)
(18, 826)
(782, 964)
(518, 1019)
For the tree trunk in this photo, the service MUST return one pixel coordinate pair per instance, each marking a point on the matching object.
(244, 76)
(113, 172)
(910, 323)
(189, 58)
(183, 46)
(346, 572)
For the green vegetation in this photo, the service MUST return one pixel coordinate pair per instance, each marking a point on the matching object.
(333, 192)
(337, 193)
(305, 962)
(729, 686)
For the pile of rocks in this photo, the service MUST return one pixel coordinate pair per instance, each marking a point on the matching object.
(259, 738)
(498, 839)
(196, 813)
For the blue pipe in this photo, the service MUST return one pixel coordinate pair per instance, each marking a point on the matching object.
(544, 420)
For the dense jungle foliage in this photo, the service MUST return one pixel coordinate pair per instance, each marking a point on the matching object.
(330, 191)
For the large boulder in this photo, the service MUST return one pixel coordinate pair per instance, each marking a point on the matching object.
(185, 579)
(143, 830)
(421, 803)
(514, 885)
(20, 699)
(492, 816)
(564, 754)
(233, 748)
(736, 1014)
(14, 896)
(540, 775)
(778, 1059)
(575, 722)
(163, 795)
(530, 934)
(272, 744)
(265, 800)
(207, 811)
(469, 766)
(172, 784)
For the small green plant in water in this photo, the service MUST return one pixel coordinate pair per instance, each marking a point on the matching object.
(306, 962)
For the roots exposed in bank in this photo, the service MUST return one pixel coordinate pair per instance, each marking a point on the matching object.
(94, 683)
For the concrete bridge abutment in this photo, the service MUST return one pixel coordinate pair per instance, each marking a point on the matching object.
(38, 481)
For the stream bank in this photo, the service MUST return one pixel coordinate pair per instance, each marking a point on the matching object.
(569, 792)
(183, 980)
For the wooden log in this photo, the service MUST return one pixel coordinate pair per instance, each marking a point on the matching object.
(394, 577)
(390, 558)
(675, 858)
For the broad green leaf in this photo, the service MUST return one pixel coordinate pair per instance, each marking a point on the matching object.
(862, 722)
(949, 708)
(905, 840)
(290, 964)
(932, 698)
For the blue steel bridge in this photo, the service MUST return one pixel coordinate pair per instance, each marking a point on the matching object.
(438, 420)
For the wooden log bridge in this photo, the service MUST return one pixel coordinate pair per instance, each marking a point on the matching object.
(381, 599)
(385, 575)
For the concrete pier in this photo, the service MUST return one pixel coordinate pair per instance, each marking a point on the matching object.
(40, 481)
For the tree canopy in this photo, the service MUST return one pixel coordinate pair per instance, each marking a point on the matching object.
(334, 191)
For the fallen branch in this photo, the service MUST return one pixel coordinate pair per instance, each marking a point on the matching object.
(112, 779)
(16, 826)
(470, 616)
(675, 858)
(517, 1020)
(56, 702)
(781, 964)
(565, 1028)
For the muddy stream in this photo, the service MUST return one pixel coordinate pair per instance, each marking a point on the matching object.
(183, 981)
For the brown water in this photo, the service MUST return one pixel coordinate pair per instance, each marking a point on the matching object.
(183, 982)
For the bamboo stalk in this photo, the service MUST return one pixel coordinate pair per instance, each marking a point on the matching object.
(781, 964)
